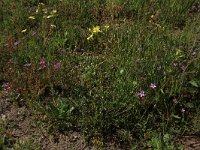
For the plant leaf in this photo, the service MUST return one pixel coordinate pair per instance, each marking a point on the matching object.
(194, 83)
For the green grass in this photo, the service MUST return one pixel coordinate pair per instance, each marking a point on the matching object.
(92, 85)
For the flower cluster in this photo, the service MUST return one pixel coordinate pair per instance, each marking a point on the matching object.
(153, 21)
(46, 14)
(43, 65)
(141, 94)
(95, 30)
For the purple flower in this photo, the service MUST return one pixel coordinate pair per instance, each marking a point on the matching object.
(16, 43)
(182, 110)
(152, 85)
(43, 64)
(57, 65)
(141, 93)
(194, 53)
(62, 50)
(6, 86)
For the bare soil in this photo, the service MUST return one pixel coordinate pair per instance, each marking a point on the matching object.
(21, 127)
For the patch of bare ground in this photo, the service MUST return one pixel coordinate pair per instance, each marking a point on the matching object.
(21, 127)
(190, 142)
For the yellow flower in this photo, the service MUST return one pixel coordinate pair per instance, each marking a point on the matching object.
(31, 17)
(158, 25)
(50, 16)
(96, 29)
(106, 27)
(90, 37)
(23, 31)
(179, 52)
(47, 17)
(152, 16)
(41, 4)
(53, 26)
(53, 11)
(37, 10)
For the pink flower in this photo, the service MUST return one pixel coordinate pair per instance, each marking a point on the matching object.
(43, 64)
(183, 110)
(152, 85)
(16, 43)
(141, 93)
(62, 50)
(194, 53)
(6, 86)
(57, 65)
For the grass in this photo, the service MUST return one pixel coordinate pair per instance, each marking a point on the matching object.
(107, 68)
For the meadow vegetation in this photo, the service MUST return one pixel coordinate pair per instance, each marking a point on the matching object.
(114, 70)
